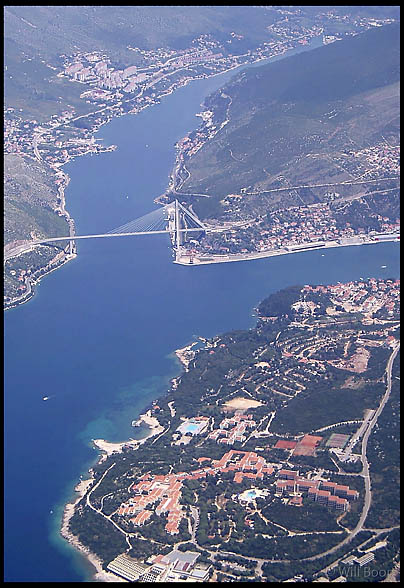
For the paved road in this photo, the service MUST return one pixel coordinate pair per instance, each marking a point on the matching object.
(195, 516)
(365, 472)
(288, 188)
(27, 246)
(334, 563)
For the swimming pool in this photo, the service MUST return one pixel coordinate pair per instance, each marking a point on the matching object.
(191, 427)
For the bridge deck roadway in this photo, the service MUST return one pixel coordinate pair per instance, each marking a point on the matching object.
(163, 232)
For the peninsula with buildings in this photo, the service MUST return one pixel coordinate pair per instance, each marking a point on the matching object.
(60, 93)
(274, 455)
(298, 169)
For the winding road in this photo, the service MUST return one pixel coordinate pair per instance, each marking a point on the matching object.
(365, 473)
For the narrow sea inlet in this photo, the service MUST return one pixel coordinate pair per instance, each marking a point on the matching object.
(98, 338)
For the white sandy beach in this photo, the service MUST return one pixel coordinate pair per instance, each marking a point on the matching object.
(153, 423)
(108, 448)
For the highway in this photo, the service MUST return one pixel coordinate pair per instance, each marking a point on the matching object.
(131, 234)
(365, 470)
(28, 246)
(197, 261)
(366, 475)
(323, 185)
(289, 188)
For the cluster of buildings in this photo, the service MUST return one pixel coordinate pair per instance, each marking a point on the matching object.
(360, 561)
(172, 567)
(233, 429)
(195, 57)
(16, 132)
(180, 565)
(26, 137)
(94, 68)
(324, 492)
(189, 145)
(368, 297)
(379, 158)
(294, 228)
(245, 464)
(324, 23)
(106, 77)
(159, 494)
(291, 28)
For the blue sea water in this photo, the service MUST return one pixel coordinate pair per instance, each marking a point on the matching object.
(98, 337)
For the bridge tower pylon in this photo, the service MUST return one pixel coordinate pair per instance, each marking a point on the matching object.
(184, 219)
(178, 235)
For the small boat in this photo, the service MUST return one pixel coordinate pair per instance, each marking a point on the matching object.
(383, 266)
(45, 398)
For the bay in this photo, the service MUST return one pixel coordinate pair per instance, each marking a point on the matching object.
(98, 337)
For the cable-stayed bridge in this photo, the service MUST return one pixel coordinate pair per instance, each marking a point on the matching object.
(173, 219)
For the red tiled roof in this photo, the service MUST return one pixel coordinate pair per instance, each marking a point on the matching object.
(288, 472)
(352, 492)
(328, 484)
(341, 487)
(323, 493)
(268, 470)
(296, 500)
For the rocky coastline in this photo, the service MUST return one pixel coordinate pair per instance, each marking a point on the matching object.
(107, 448)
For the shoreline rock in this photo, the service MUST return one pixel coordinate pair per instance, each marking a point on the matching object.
(107, 448)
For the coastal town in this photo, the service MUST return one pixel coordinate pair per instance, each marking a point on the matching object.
(227, 424)
(245, 482)
(290, 230)
(109, 91)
